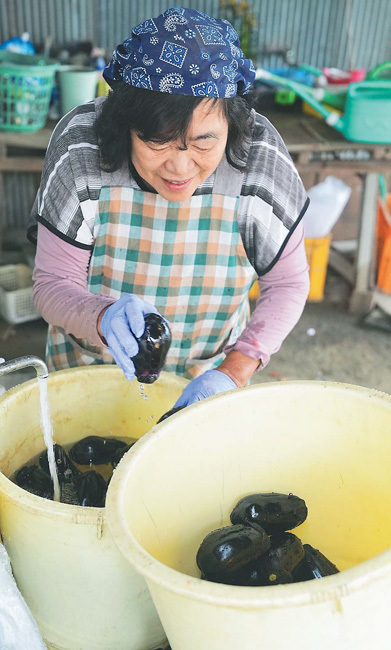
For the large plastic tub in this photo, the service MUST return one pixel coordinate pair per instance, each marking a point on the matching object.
(328, 443)
(81, 591)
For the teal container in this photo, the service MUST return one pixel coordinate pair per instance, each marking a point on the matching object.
(77, 86)
(367, 116)
(26, 83)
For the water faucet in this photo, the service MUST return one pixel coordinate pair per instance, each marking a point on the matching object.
(25, 362)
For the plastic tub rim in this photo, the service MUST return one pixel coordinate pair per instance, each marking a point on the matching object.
(332, 588)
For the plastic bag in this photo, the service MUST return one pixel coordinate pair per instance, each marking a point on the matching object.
(327, 200)
(19, 44)
(17, 627)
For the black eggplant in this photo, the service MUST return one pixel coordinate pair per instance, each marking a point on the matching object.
(153, 347)
(273, 567)
(119, 453)
(227, 549)
(35, 480)
(286, 552)
(91, 489)
(169, 413)
(313, 565)
(251, 574)
(65, 468)
(275, 512)
(67, 474)
(95, 450)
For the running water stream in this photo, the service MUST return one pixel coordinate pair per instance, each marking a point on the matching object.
(47, 431)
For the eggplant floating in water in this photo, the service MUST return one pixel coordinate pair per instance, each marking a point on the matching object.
(169, 413)
(228, 549)
(67, 474)
(153, 347)
(65, 468)
(95, 450)
(119, 454)
(35, 480)
(313, 565)
(91, 489)
(275, 512)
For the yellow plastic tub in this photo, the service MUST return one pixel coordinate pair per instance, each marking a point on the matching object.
(81, 591)
(328, 443)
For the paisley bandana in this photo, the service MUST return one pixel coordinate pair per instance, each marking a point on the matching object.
(183, 51)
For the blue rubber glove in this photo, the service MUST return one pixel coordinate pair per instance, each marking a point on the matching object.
(209, 383)
(121, 324)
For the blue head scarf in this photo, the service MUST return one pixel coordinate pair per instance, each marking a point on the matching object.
(183, 51)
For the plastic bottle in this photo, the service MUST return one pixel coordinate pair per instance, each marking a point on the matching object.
(327, 200)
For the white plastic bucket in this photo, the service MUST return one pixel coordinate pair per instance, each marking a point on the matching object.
(328, 443)
(77, 86)
(81, 591)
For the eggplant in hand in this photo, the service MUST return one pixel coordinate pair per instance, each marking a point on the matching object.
(153, 347)
(275, 512)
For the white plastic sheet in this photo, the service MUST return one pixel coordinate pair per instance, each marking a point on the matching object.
(18, 630)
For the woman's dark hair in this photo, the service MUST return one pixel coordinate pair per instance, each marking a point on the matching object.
(162, 117)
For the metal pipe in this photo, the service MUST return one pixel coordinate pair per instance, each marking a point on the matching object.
(25, 362)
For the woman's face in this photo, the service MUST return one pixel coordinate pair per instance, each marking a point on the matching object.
(175, 173)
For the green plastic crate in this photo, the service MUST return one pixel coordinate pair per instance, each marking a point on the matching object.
(26, 83)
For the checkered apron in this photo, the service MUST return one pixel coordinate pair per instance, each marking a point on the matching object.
(185, 258)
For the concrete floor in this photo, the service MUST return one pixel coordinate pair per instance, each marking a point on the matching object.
(340, 350)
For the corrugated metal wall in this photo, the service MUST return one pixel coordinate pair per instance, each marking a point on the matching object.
(337, 33)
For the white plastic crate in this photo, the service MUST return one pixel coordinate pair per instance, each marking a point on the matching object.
(16, 296)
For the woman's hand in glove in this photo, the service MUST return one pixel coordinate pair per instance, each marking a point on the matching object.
(121, 324)
(209, 383)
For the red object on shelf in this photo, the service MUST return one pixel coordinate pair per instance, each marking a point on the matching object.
(337, 76)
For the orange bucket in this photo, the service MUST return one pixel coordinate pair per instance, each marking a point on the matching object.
(383, 245)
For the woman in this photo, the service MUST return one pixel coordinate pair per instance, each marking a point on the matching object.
(171, 195)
